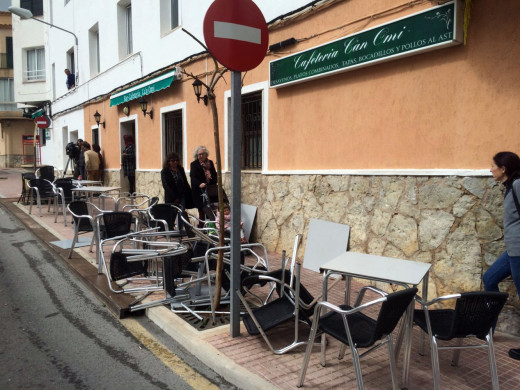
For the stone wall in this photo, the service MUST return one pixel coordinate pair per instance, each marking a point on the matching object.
(453, 223)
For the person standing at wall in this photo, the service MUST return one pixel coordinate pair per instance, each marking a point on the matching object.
(71, 79)
(202, 174)
(82, 172)
(175, 183)
(91, 162)
(505, 169)
(96, 148)
(128, 161)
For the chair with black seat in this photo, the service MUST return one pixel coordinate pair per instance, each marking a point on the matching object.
(353, 327)
(473, 317)
(295, 303)
(141, 211)
(82, 220)
(24, 195)
(64, 186)
(109, 226)
(43, 189)
(46, 172)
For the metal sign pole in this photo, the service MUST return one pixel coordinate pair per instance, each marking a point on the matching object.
(236, 198)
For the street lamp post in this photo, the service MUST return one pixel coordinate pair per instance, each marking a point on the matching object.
(24, 13)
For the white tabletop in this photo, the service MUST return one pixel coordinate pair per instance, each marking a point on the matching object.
(96, 189)
(88, 182)
(378, 268)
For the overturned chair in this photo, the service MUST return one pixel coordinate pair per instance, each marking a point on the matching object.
(134, 265)
(294, 303)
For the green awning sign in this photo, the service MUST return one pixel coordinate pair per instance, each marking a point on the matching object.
(432, 29)
(143, 89)
(37, 113)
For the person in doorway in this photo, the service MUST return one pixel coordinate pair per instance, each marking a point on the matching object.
(71, 79)
(202, 174)
(505, 169)
(96, 148)
(91, 162)
(82, 172)
(128, 161)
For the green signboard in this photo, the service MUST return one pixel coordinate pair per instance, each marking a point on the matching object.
(427, 30)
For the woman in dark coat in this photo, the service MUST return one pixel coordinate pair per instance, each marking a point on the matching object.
(175, 183)
(202, 174)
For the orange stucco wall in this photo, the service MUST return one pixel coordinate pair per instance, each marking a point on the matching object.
(451, 108)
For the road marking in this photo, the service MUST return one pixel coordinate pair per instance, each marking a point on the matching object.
(238, 32)
(172, 361)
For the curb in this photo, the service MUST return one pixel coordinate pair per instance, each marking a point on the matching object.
(175, 327)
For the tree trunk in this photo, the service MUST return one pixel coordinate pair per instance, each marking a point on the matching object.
(220, 258)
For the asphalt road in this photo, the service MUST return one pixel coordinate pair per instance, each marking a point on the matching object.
(55, 334)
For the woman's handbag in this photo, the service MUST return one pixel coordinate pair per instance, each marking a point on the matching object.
(212, 190)
(515, 198)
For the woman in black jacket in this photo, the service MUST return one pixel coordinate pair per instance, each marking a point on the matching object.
(202, 174)
(175, 183)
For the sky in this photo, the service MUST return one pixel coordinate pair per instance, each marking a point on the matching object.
(4, 4)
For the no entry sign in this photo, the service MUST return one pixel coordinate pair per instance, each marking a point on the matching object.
(236, 34)
(42, 122)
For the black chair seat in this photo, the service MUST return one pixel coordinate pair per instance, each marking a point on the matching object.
(361, 327)
(270, 315)
(474, 315)
(440, 320)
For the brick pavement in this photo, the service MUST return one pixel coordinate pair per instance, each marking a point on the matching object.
(246, 360)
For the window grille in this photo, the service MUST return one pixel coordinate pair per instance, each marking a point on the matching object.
(252, 131)
(173, 133)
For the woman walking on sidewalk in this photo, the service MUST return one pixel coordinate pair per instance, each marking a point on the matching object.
(505, 168)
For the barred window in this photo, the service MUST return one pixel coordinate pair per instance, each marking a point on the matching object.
(252, 131)
(173, 133)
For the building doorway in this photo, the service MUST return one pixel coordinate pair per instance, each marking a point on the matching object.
(126, 128)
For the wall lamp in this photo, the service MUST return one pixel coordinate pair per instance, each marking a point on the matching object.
(283, 44)
(144, 106)
(197, 88)
(97, 118)
(126, 110)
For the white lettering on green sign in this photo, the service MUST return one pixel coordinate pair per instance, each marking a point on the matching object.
(426, 30)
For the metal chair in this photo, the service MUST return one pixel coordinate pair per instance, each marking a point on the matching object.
(110, 226)
(44, 190)
(473, 317)
(64, 186)
(82, 220)
(24, 195)
(129, 262)
(46, 172)
(354, 328)
(294, 304)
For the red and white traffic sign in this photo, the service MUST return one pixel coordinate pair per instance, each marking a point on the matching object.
(42, 122)
(236, 34)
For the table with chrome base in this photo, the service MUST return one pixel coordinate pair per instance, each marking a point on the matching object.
(382, 269)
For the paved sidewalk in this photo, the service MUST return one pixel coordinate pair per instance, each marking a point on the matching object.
(246, 361)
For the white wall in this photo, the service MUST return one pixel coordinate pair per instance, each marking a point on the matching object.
(53, 153)
(29, 34)
(152, 51)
